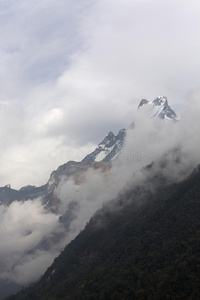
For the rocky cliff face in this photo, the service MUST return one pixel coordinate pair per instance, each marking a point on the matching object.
(73, 170)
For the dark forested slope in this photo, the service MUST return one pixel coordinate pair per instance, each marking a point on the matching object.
(148, 248)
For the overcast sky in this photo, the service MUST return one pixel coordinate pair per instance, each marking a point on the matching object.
(71, 71)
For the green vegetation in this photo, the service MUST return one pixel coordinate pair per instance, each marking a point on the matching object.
(147, 249)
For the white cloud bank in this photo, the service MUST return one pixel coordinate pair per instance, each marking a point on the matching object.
(23, 226)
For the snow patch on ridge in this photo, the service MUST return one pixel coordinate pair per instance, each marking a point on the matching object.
(102, 155)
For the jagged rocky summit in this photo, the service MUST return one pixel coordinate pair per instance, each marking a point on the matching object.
(108, 148)
(159, 108)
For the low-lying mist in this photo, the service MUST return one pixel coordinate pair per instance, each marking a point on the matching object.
(25, 224)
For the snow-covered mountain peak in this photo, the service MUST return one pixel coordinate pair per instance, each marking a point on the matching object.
(159, 101)
(159, 108)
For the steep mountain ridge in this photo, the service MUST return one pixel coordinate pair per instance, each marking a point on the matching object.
(146, 247)
(105, 152)
(8, 195)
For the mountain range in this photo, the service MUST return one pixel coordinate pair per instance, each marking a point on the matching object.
(128, 234)
(101, 157)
